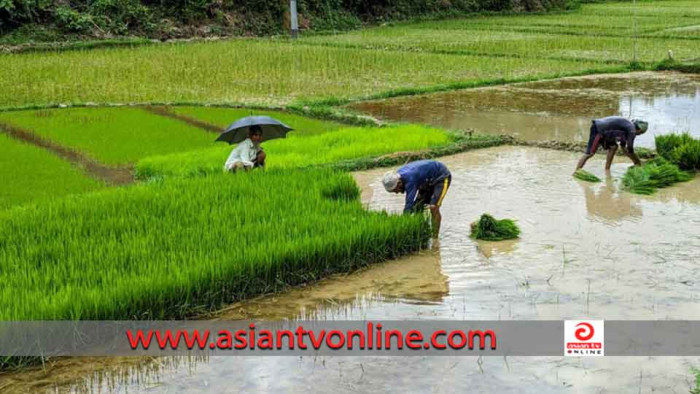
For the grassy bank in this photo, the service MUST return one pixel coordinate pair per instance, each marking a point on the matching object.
(167, 250)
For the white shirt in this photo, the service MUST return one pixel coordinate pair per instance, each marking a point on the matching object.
(245, 153)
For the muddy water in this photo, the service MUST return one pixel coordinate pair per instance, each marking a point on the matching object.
(558, 109)
(586, 251)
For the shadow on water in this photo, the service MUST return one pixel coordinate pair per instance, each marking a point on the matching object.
(586, 251)
(557, 109)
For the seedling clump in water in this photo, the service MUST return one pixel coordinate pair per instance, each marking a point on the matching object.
(655, 174)
(585, 176)
(490, 229)
(680, 149)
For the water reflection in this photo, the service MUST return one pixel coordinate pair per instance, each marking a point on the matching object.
(558, 109)
(608, 204)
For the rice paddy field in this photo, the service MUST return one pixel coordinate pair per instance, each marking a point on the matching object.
(221, 117)
(371, 62)
(163, 250)
(114, 136)
(180, 238)
(303, 151)
(30, 173)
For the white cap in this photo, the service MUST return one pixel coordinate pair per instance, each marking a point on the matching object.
(390, 181)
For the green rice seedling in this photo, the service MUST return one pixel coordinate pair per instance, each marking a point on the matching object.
(346, 189)
(666, 144)
(488, 228)
(28, 173)
(687, 156)
(586, 176)
(655, 174)
(680, 149)
(113, 136)
(300, 151)
(223, 117)
(172, 249)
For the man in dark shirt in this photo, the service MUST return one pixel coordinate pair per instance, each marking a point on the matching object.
(425, 182)
(608, 132)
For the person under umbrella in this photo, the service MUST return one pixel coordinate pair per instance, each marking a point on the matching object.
(247, 154)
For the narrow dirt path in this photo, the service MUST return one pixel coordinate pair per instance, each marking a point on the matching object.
(164, 111)
(110, 175)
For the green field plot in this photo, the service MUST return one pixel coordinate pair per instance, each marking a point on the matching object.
(168, 249)
(223, 117)
(28, 173)
(247, 71)
(575, 23)
(491, 41)
(687, 9)
(301, 151)
(113, 136)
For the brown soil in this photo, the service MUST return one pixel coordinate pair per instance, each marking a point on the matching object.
(163, 111)
(110, 175)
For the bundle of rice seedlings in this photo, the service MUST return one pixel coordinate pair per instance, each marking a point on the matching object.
(680, 149)
(655, 174)
(490, 229)
(687, 156)
(585, 176)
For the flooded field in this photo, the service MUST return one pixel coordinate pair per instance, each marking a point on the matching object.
(586, 251)
(556, 109)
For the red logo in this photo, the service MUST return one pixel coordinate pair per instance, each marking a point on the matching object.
(584, 333)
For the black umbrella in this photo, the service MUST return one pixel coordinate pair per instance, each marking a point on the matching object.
(238, 130)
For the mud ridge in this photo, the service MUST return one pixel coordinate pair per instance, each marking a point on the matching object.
(578, 147)
(163, 111)
(95, 169)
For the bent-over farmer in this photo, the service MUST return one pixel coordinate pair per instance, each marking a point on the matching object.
(608, 132)
(248, 154)
(425, 182)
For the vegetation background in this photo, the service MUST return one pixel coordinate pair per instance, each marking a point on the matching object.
(55, 20)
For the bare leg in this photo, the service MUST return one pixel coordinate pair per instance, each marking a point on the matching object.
(583, 161)
(260, 160)
(610, 157)
(437, 219)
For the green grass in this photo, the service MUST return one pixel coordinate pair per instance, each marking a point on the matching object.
(168, 249)
(586, 176)
(680, 149)
(223, 117)
(28, 173)
(696, 389)
(654, 174)
(113, 136)
(301, 151)
(488, 228)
